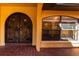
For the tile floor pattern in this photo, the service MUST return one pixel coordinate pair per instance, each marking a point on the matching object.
(28, 50)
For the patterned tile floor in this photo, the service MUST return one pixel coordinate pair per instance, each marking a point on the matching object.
(28, 50)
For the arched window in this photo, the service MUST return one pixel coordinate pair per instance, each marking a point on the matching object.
(59, 28)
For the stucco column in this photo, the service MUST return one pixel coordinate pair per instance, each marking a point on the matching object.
(2, 43)
(39, 26)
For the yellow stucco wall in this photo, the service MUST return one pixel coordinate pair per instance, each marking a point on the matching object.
(6, 11)
(64, 13)
(31, 11)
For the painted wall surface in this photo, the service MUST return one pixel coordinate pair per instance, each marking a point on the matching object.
(6, 11)
(31, 11)
(64, 13)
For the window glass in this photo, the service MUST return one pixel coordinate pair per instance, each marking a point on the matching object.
(59, 28)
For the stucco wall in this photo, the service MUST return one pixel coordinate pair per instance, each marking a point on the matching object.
(6, 11)
(65, 13)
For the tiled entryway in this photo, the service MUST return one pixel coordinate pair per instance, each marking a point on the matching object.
(12, 49)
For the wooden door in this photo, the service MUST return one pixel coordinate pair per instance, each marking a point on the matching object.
(18, 29)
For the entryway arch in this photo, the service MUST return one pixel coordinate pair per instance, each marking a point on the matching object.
(18, 28)
(58, 27)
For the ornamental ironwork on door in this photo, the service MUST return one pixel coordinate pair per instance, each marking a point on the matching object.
(18, 29)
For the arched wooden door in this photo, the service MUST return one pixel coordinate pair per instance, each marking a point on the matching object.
(18, 29)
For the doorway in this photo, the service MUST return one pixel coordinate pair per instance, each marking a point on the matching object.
(18, 29)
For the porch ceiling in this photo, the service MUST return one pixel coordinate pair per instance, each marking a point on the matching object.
(61, 6)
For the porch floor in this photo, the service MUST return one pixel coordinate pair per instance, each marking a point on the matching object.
(28, 50)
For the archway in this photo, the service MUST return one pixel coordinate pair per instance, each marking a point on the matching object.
(60, 28)
(18, 29)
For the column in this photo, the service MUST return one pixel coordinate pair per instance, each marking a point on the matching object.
(39, 26)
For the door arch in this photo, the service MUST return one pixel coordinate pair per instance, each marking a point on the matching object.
(18, 28)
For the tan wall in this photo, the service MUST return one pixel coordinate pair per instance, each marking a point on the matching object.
(6, 11)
